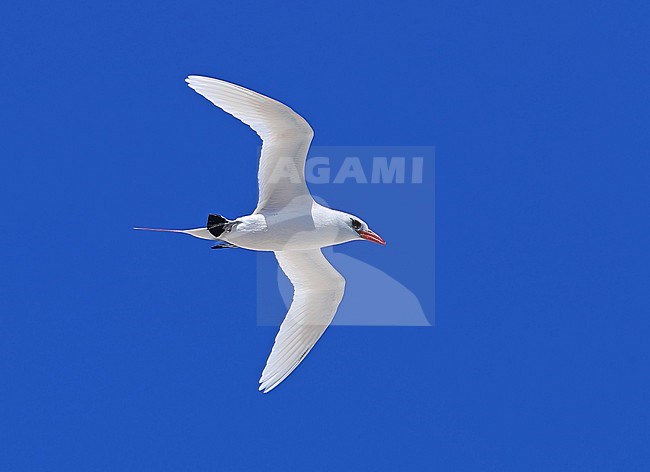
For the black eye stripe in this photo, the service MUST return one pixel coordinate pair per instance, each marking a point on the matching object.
(356, 224)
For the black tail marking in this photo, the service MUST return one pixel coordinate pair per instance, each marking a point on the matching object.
(216, 220)
(217, 224)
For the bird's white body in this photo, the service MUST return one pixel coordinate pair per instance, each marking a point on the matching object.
(286, 221)
(314, 229)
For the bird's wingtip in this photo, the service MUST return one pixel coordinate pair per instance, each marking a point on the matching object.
(195, 78)
(265, 385)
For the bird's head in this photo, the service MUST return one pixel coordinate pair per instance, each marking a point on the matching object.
(360, 229)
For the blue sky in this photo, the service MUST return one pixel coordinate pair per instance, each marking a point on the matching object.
(120, 351)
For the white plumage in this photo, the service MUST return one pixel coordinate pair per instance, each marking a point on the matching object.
(286, 221)
(285, 139)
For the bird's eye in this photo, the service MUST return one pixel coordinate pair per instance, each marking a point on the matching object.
(356, 224)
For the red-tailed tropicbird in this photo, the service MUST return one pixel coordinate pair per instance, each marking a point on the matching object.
(286, 221)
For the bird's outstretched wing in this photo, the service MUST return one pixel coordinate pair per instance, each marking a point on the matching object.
(285, 141)
(318, 290)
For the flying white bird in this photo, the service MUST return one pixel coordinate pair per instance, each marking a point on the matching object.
(286, 221)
